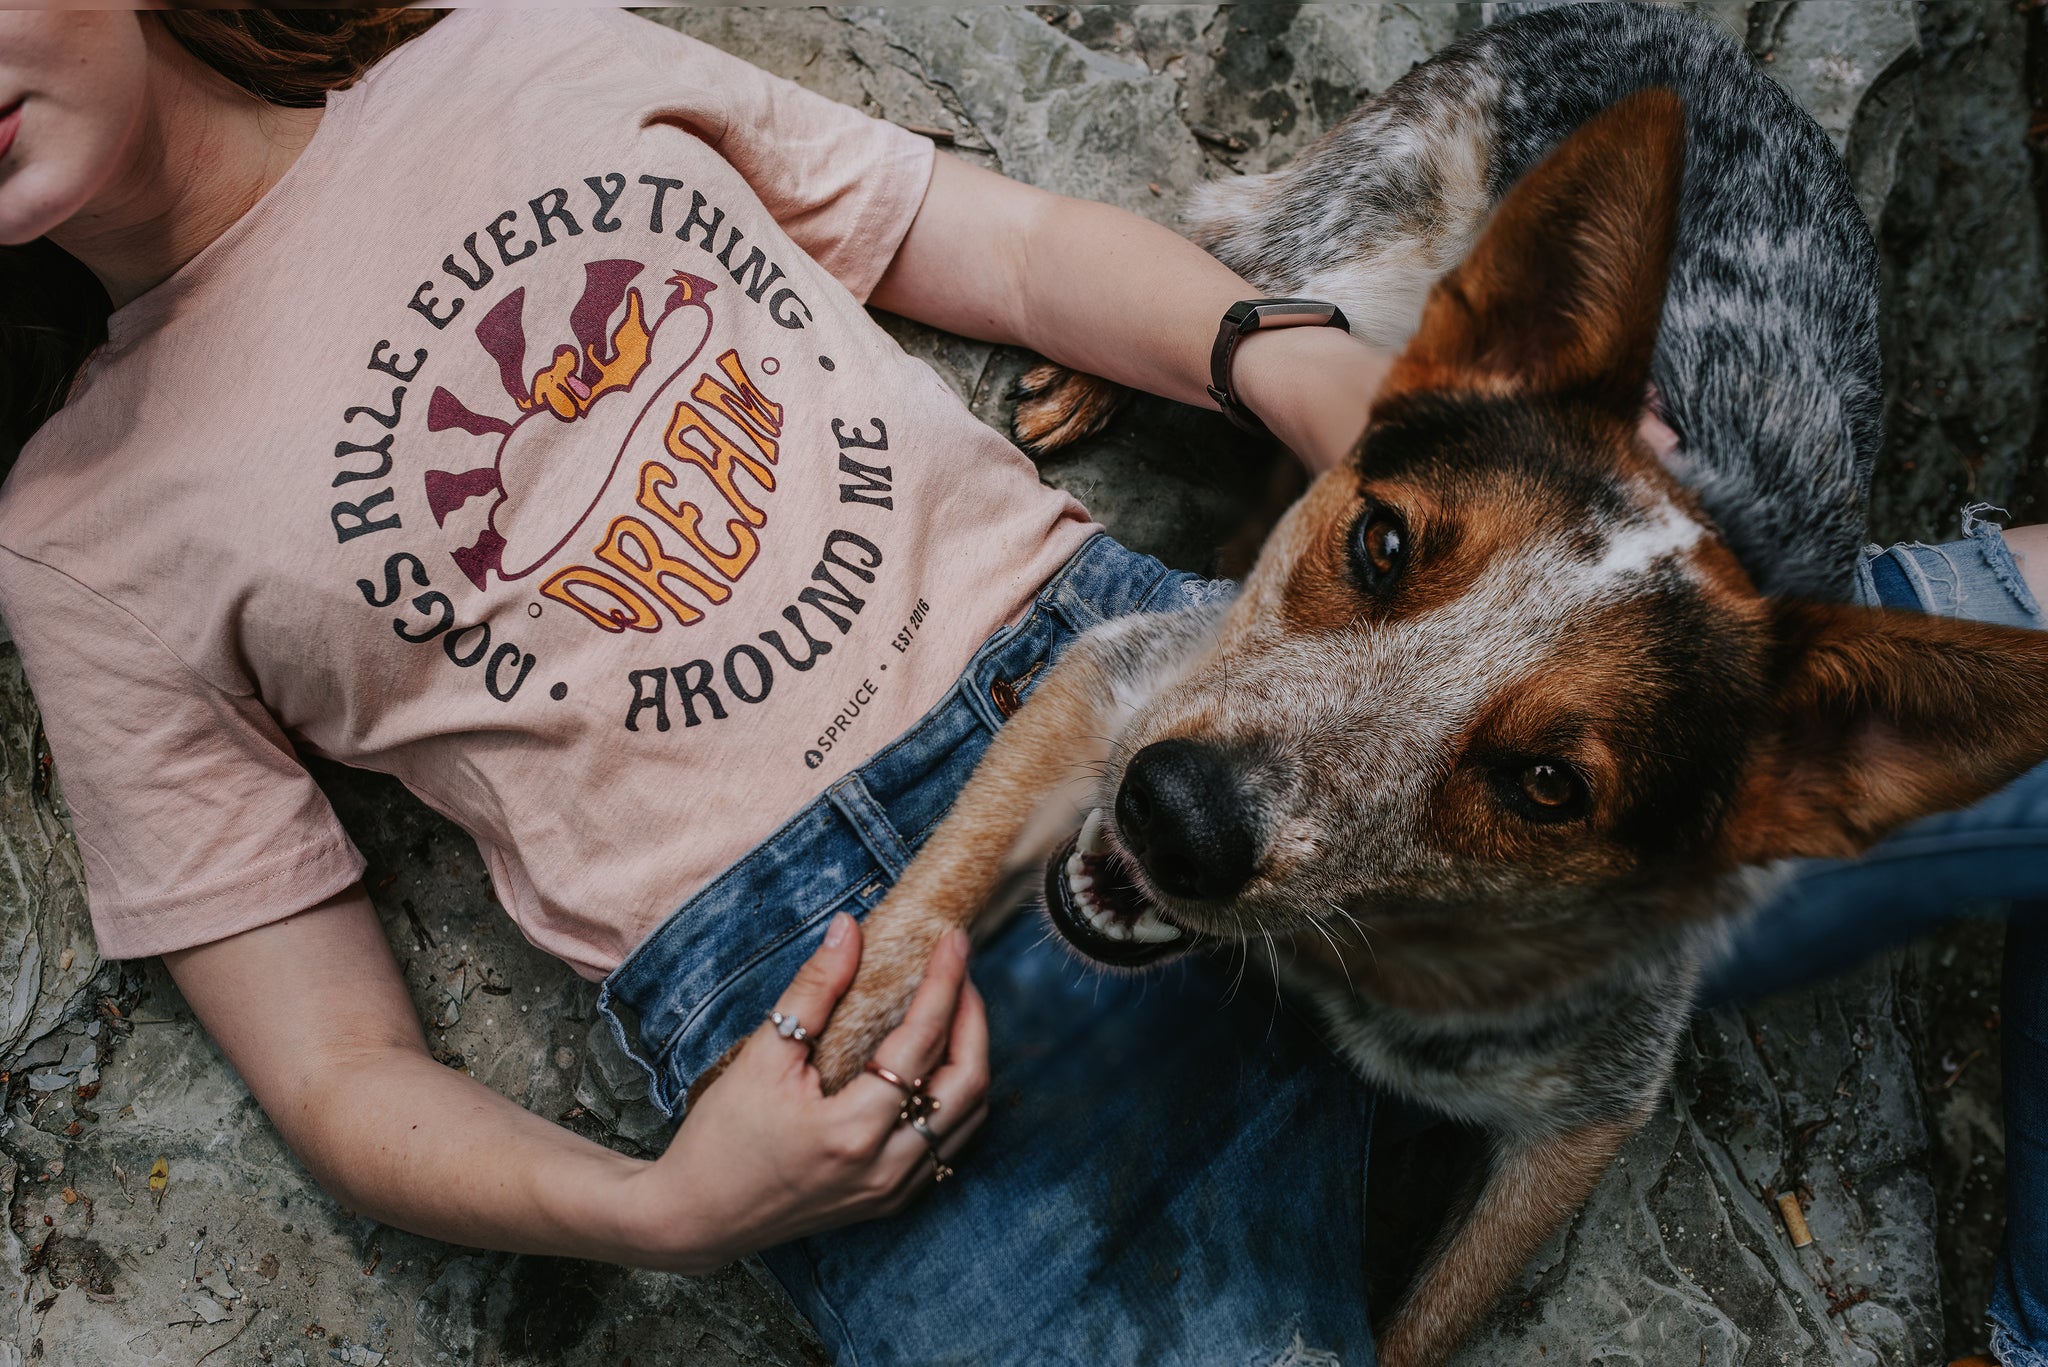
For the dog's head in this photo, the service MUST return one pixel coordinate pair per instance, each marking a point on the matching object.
(1496, 702)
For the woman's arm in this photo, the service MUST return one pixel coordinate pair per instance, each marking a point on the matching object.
(1104, 291)
(313, 1013)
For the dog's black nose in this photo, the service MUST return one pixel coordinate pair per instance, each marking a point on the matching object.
(1183, 813)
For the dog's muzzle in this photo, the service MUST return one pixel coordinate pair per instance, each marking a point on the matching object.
(1099, 909)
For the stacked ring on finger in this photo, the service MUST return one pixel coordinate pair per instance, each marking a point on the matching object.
(917, 1104)
(940, 1170)
(788, 1027)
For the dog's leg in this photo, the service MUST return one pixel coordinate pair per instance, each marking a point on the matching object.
(1040, 768)
(1532, 1187)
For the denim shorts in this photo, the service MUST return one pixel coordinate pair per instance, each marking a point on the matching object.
(1173, 1168)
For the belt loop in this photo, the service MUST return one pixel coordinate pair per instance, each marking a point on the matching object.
(851, 798)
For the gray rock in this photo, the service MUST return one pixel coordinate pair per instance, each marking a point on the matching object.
(49, 967)
(1682, 1254)
(44, 1052)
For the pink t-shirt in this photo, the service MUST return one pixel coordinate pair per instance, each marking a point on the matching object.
(528, 442)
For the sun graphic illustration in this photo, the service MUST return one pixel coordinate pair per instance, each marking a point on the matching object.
(555, 458)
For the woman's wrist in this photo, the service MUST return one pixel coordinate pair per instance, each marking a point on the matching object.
(1313, 387)
(657, 1224)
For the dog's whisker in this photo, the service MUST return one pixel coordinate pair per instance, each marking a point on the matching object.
(1237, 979)
(1335, 952)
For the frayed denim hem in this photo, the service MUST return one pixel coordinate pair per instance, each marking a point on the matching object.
(2009, 1351)
(1975, 577)
(1998, 556)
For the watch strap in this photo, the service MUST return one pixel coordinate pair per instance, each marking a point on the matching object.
(1247, 316)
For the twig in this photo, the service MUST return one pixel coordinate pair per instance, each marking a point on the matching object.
(1956, 1071)
(1216, 137)
(252, 1319)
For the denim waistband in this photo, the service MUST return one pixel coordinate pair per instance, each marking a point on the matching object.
(1974, 578)
(705, 976)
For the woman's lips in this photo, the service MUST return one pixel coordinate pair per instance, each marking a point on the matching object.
(10, 124)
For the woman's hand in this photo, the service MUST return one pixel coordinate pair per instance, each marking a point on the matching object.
(764, 1156)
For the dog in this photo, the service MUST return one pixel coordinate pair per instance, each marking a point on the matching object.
(1511, 716)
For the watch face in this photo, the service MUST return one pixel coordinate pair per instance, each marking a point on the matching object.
(1292, 312)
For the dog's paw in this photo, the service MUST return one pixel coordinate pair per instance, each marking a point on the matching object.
(899, 943)
(840, 1054)
(1057, 407)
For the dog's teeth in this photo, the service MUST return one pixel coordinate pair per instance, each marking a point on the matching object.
(1152, 930)
(1092, 840)
(1082, 887)
(1073, 864)
(1105, 922)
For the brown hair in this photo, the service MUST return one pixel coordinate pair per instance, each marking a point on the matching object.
(52, 309)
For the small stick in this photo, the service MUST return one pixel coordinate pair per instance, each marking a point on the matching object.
(229, 1339)
(1856, 1297)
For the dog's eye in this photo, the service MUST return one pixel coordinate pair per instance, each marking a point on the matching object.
(1544, 790)
(1549, 785)
(1379, 547)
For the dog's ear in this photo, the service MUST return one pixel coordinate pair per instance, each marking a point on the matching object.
(1564, 291)
(1883, 718)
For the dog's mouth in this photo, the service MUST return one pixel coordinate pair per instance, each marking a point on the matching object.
(1098, 907)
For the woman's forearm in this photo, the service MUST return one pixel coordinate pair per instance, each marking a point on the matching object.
(1104, 291)
(414, 1144)
(314, 1015)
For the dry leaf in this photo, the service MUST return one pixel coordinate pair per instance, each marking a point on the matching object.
(159, 1178)
(64, 961)
(70, 1196)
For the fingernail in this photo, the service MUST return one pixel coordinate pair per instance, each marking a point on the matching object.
(835, 933)
(958, 939)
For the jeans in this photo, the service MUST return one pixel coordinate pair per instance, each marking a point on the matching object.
(1173, 1168)
(1833, 912)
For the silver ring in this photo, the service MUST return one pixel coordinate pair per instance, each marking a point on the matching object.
(940, 1171)
(787, 1027)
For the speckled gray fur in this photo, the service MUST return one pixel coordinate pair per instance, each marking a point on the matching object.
(1767, 365)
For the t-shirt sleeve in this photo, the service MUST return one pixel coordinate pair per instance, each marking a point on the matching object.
(194, 817)
(843, 185)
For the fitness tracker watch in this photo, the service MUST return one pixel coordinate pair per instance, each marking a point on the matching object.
(1253, 315)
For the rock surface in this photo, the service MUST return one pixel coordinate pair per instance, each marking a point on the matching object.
(1682, 1255)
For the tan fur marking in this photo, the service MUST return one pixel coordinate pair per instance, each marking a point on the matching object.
(1534, 1186)
(1057, 407)
(1450, 547)
(1888, 716)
